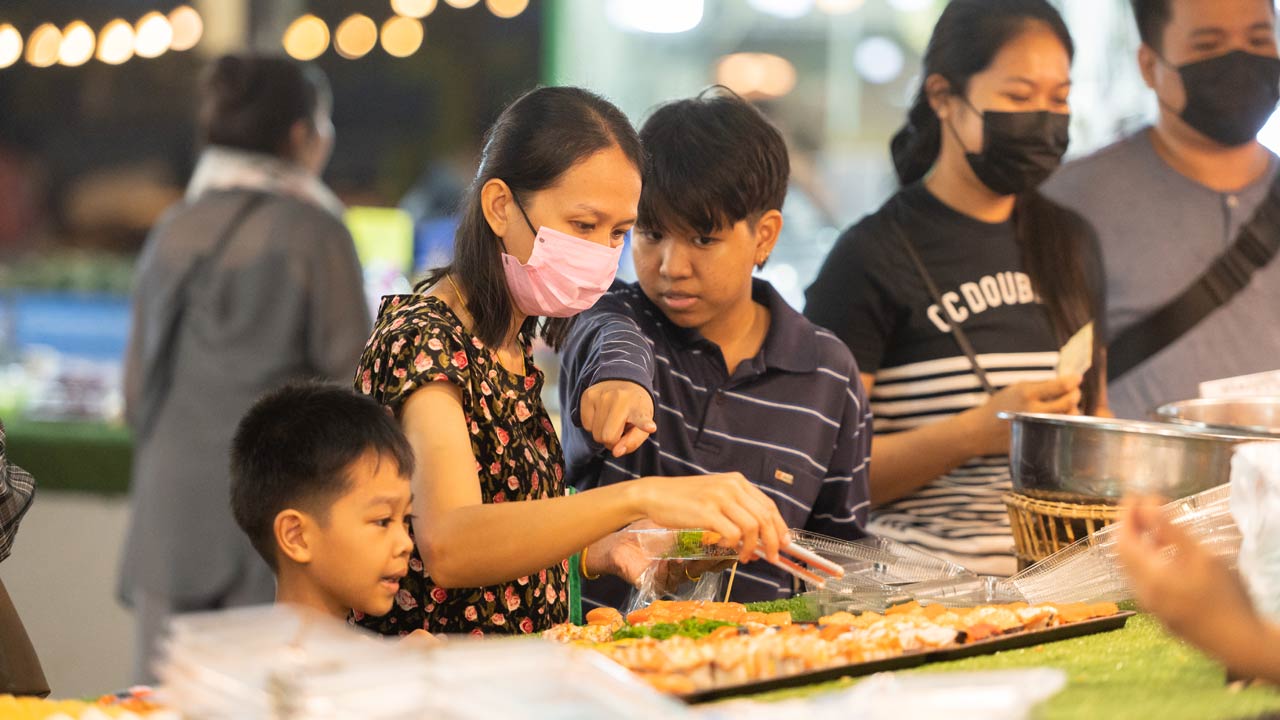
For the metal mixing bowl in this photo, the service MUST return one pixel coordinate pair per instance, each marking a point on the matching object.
(1083, 459)
(1256, 416)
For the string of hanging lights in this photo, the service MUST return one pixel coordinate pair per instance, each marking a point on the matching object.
(154, 34)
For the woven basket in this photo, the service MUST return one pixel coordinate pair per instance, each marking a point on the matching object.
(1043, 527)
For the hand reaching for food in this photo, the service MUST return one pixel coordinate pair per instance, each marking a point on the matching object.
(725, 503)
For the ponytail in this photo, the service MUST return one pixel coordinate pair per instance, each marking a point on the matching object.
(916, 146)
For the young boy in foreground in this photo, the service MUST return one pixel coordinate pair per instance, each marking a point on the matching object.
(320, 484)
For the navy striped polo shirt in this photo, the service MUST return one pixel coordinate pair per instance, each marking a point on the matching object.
(794, 419)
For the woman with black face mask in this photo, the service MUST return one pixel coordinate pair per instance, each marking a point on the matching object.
(956, 295)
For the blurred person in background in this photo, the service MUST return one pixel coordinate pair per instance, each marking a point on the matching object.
(252, 281)
(17, 489)
(1187, 301)
(956, 295)
(20, 671)
(21, 186)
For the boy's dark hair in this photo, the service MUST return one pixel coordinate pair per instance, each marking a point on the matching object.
(295, 448)
(712, 161)
(251, 102)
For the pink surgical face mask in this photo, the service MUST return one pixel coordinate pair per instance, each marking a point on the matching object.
(564, 276)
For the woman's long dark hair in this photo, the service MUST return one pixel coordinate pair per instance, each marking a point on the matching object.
(1052, 239)
(532, 144)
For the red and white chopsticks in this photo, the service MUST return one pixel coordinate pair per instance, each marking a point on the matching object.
(800, 555)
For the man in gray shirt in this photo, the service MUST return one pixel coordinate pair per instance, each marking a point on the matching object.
(1170, 199)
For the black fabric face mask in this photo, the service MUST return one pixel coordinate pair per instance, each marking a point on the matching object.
(1020, 150)
(1231, 96)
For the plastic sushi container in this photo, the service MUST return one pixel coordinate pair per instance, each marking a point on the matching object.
(876, 561)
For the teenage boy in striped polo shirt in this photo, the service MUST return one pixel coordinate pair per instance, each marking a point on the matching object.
(701, 368)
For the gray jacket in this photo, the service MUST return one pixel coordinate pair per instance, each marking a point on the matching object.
(283, 301)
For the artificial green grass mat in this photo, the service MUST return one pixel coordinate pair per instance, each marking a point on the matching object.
(1136, 672)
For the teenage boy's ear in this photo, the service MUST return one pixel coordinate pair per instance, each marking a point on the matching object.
(293, 530)
(497, 203)
(768, 227)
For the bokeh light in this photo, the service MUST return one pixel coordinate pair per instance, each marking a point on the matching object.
(355, 36)
(154, 36)
(188, 28)
(506, 9)
(413, 8)
(655, 16)
(10, 45)
(77, 44)
(878, 59)
(756, 76)
(115, 42)
(43, 45)
(306, 38)
(401, 36)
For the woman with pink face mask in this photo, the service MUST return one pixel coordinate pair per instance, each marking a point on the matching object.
(540, 237)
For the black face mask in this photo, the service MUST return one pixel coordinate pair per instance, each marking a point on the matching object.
(1230, 97)
(1020, 150)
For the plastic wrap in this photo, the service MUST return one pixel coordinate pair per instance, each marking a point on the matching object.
(998, 695)
(276, 663)
(539, 680)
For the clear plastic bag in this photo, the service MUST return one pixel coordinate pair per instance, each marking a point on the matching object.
(688, 544)
(1255, 505)
(663, 581)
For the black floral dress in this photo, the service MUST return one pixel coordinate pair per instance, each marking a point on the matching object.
(416, 340)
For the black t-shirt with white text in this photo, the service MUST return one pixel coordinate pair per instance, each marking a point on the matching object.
(870, 294)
